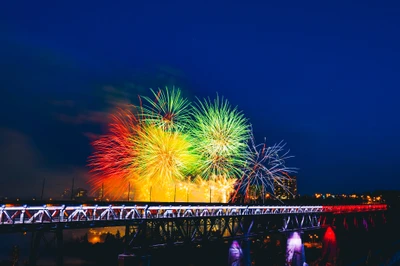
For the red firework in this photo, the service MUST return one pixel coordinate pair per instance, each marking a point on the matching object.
(112, 162)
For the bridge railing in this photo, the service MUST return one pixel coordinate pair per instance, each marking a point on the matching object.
(354, 208)
(12, 215)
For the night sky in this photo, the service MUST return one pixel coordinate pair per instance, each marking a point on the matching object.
(322, 77)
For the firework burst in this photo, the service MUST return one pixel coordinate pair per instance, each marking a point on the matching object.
(164, 156)
(265, 167)
(173, 151)
(169, 110)
(220, 134)
(113, 161)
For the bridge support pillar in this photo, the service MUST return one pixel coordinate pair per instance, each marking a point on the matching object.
(38, 237)
(59, 247)
(126, 239)
(35, 243)
(246, 251)
(247, 224)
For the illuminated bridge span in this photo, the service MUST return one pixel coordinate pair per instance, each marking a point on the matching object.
(28, 218)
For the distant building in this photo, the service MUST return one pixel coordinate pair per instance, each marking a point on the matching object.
(77, 193)
(66, 194)
(287, 189)
(80, 193)
(99, 194)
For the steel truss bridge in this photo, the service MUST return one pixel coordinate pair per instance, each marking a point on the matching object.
(190, 222)
(26, 218)
(149, 225)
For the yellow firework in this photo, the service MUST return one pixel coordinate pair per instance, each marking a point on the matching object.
(164, 157)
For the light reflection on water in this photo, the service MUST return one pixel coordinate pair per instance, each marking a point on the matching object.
(68, 261)
(23, 241)
(98, 235)
(7, 241)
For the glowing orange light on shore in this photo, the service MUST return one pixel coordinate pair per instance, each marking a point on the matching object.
(94, 240)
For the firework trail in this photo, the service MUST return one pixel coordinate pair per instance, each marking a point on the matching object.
(265, 168)
(220, 134)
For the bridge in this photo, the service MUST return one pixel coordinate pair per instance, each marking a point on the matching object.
(48, 217)
(150, 225)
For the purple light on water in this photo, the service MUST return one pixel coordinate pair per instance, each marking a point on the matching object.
(294, 250)
(365, 223)
(235, 254)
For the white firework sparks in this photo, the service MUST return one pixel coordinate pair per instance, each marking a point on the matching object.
(266, 167)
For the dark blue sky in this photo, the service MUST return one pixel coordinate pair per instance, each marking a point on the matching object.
(322, 76)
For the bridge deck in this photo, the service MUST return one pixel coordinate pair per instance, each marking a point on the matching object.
(14, 215)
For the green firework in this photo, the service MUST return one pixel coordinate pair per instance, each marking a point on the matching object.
(169, 110)
(221, 134)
